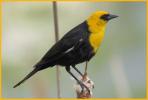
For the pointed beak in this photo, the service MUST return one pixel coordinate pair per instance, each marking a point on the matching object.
(110, 16)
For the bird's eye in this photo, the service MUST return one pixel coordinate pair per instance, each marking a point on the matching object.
(108, 17)
(104, 17)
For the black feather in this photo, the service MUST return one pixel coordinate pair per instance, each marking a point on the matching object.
(81, 51)
(56, 54)
(27, 77)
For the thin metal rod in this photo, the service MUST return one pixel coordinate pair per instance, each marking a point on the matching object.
(55, 14)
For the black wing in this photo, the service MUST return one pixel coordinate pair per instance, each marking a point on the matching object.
(68, 41)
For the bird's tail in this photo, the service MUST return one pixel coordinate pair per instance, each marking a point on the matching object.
(27, 77)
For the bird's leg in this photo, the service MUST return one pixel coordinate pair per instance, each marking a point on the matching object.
(81, 84)
(77, 70)
(68, 70)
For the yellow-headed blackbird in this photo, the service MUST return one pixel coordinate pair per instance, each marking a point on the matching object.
(78, 45)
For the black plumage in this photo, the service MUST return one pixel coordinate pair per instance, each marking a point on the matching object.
(72, 49)
(76, 46)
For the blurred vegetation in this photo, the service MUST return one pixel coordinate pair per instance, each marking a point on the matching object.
(118, 69)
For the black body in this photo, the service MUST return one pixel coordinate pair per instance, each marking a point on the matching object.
(72, 49)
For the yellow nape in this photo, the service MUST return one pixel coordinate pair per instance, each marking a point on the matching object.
(97, 29)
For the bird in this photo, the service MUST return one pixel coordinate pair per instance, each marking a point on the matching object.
(79, 45)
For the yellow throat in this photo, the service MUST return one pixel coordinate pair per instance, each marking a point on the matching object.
(97, 29)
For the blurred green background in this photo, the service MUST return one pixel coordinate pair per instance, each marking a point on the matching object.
(118, 69)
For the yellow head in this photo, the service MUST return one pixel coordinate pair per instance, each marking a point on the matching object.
(101, 17)
(96, 26)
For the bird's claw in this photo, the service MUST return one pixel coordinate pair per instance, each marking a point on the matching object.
(84, 86)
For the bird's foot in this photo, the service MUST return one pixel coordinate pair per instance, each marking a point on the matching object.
(84, 87)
